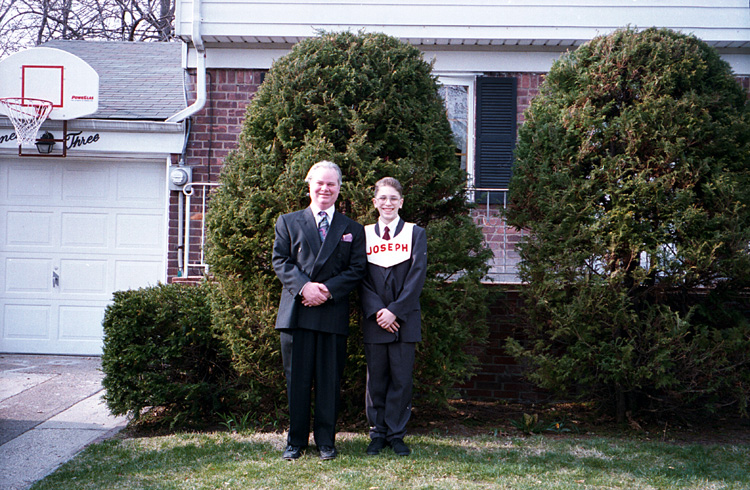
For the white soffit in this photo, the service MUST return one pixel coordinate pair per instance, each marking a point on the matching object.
(447, 59)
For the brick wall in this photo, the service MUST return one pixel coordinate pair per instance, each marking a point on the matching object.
(217, 127)
(213, 134)
(745, 82)
(499, 376)
(502, 240)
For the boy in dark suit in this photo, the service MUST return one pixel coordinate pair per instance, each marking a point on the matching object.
(396, 271)
(319, 257)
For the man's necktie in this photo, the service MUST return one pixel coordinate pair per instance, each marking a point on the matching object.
(386, 234)
(323, 226)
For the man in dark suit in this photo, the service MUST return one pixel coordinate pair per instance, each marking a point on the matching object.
(319, 257)
(392, 318)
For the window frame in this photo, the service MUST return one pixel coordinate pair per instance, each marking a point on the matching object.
(468, 81)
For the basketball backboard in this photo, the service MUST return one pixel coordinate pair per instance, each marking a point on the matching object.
(55, 75)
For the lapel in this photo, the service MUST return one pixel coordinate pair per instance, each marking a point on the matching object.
(335, 231)
(400, 227)
(306, 222)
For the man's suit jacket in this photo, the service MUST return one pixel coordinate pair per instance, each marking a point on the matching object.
(299, 257)
(396, 288)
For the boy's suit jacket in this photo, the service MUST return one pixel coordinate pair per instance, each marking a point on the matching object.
(396, 288)
(299, 257)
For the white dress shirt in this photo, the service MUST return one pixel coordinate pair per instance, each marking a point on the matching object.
(391, 226)
(316, 212)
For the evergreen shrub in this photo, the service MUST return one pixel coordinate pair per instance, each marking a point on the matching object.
(160, 351)
(369, 103)
(632, 176)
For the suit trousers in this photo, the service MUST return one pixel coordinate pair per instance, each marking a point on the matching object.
(311, 356)
(389, 388)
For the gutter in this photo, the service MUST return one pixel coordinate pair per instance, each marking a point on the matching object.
(200, 52)
(111, 125)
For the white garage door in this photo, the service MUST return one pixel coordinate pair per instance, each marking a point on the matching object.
(72, 233)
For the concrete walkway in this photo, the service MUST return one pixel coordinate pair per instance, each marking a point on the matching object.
(51, 408)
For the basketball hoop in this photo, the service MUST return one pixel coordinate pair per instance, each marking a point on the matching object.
(27, 116)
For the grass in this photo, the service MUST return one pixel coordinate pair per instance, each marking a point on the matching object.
(230, 461)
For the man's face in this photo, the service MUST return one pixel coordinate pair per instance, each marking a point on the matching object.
(324, 187)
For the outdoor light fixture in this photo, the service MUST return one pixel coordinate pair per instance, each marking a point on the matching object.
(45, 144)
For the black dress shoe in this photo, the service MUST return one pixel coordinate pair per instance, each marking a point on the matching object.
(292, 452)
(376, 445)
(399, 447)
(328, 452)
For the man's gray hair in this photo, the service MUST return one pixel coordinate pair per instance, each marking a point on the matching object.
(323, 164)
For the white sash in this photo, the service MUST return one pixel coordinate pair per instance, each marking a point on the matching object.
(387, 253)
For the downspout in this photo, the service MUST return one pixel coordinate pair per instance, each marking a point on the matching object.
(200, 52)
(183, 241)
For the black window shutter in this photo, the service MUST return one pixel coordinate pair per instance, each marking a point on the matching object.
(495, 132)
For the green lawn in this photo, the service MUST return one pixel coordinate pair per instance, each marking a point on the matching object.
(226, 461)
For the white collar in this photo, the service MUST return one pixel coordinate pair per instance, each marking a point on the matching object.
(392, 226)
(316, 212)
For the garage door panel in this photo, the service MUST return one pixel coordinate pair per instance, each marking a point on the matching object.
(139, 231)
(85, 184)
(140, 183)
(133, 275)
(27, 321)
(27, 182)
(28, 275)
(84, 230)
(81, 323)
(83, 276)
(29, 228)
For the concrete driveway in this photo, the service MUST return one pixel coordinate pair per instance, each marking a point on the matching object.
(51, 408)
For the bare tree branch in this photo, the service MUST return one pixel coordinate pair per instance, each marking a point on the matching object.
(27, 23)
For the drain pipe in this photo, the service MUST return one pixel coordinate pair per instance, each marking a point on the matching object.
(181, 264)
(183, 229)
(200, 52)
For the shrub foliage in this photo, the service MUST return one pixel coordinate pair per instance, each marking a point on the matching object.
(632, 177)
(369, 103)
(160, 351)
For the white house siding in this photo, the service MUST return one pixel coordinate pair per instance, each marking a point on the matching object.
(544, 22)
(460, 35)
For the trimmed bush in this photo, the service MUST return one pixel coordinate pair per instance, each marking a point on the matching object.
(369, 103)
(160, 351)
(633, 179)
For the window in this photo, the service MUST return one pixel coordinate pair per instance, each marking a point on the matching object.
(458, 95)
(484, 143)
